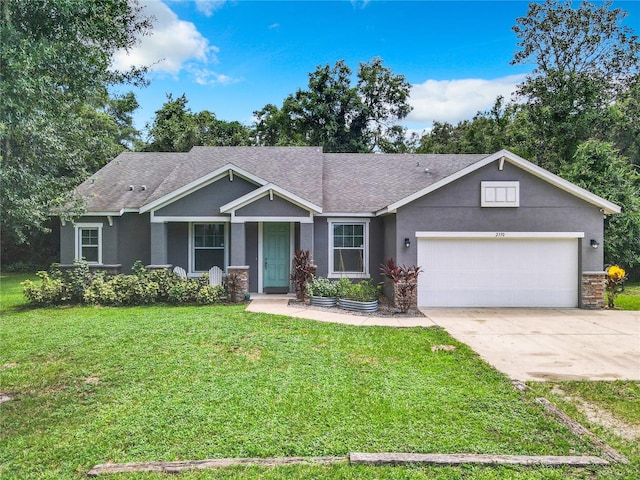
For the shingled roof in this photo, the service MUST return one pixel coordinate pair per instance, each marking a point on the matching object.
(345, 183)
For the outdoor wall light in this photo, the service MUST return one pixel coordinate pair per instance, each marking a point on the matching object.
(407, 243)
(594, 243)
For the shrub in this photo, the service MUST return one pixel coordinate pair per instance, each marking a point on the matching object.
(165, 280)
(210, 294)
(322, 287)
(78, 280)
(185, 292)
(405, 282)
(100, 293)
(614, 282)
(363, 291)
(302, 272)
(134, 290)
(49, 292)
(78, 285)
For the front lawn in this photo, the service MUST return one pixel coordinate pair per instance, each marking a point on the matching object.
(91, 385)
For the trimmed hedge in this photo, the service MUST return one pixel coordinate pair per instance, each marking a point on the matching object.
(79, 286)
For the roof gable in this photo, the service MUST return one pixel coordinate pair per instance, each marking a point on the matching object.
(502, 156)
(197, 184)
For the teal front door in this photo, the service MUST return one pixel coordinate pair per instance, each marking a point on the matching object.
(276, 255)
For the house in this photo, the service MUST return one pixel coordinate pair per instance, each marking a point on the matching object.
(487, 230)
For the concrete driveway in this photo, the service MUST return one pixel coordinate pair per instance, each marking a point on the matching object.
(549, 344)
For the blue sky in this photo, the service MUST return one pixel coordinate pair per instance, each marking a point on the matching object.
(234, 57)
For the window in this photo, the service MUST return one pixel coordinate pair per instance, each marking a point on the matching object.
(348, 255)
(500, 194)
(208, 246)
(89, 242)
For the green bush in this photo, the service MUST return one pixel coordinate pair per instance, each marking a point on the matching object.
(100, 293)
(210, 294)
(134, 290)
(322, 287)
(185, 291)
(49, 292)
(165, 280)
(78, 285)
(363, 291)
(77, 280)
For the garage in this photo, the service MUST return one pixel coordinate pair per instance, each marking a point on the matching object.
(498, 269)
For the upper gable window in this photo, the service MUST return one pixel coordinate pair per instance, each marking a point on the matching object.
(500, 194)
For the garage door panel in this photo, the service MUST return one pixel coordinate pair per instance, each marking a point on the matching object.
(498, 272)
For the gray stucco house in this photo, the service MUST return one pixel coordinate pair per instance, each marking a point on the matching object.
(488, 230)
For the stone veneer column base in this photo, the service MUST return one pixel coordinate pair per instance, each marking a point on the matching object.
(413, 302)
(592, 290)
(242, 282)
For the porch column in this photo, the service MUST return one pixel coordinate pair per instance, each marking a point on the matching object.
(238, 245)
(306, 237)
(158, 244)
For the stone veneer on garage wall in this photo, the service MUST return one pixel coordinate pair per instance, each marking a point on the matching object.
(592, 291)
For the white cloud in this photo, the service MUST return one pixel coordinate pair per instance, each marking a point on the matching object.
(204, 76)
(362, 4)
(171, 45)
(209, 6)
(455, 100)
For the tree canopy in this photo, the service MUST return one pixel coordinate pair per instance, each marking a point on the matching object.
(57, 123)
(175, 128)
(337, 115)
(584, 59)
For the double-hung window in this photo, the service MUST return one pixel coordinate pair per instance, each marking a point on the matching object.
(208, 246)
(348, 255)
(89, 242)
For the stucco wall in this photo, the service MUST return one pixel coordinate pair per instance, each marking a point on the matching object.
(208, 200)
(321, 245)
(278, 207)
(109, 239)
(543, 208)
(133, 240)
(177, 244)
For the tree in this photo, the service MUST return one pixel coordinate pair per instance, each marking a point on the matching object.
(337, 115)
(173, 128)
(176, 128)
(598, 167)
(55, 129)
(584, 58)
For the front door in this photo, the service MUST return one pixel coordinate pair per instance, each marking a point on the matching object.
(276, 255)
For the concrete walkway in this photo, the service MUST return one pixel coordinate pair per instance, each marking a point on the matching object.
(278, 305)
(525, 344)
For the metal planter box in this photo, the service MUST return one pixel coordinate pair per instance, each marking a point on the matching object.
(356, 306)
(323, 301)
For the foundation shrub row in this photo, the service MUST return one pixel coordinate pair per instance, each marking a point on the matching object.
(80, 286)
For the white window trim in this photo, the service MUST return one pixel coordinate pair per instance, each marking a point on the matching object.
(485, 186)
(78, 227)
(348, 221)
(191, 270)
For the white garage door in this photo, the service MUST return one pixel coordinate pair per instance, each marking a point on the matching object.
(498, 272)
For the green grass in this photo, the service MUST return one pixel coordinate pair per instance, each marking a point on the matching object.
(92, 385)
(630, 298)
